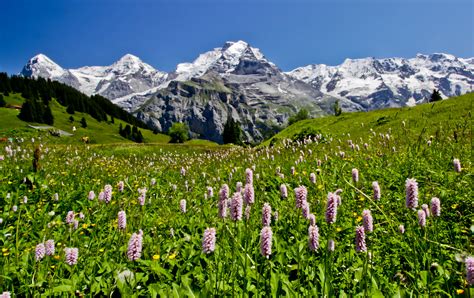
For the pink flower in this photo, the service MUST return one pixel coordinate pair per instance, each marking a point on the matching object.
(331, 208)
(224, 192)
(312, 219)
(248, 176)
(401, 229)
(457, 165)
(134, 251)
(360, 239)
(91, 195)
(236, 205)
(266, 214)
(70, 217)
(108, 193)
(313, 238)
(182, 205)
(470, 270)
(300, 195)
(421, 218)
(436, 206)
(426, 209)
(376, 189)
(209, 240)
(222, 205)
(283, 191)
(72, 255)
(122, 220)
(305, 209)
(120, 186)
(40, 252)
(210, 192)
(238, 187)
(249, 194)
(411, 190)
(49, 247)
(355, 175)
(312, 178)
(331, 245)
(266, 241)
(368, 221)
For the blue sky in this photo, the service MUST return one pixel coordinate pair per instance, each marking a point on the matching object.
(290, 33)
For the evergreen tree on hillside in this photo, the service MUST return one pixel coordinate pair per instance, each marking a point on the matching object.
(70, 109)
(28, 112)
(83, 123)
(71, 119)
(2, 101)
(48, 115)
(232, 132)
(337, 108)
(435, 96)
(127, 132)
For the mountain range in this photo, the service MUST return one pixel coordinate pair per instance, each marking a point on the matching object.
(238, 81)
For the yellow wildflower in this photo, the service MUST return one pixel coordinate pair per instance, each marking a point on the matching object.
(172, 256)
(156, 257)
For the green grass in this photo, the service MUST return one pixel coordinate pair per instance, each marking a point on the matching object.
(422, 262)
(430, 117)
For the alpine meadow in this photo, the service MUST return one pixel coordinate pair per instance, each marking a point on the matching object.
(337, 164)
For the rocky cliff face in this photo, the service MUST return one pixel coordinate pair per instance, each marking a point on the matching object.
(233, 81)
(205, 104)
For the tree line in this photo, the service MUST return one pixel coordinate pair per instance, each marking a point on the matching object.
(38, 93)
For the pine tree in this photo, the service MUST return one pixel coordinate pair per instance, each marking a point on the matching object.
(27, 112)
(83, 122)
(71, 119)
(435, 96)
(121, 129)
(232, 132)
(127, 132)
(70, 109)
(337, 108)
(48, 116)
(3, 103)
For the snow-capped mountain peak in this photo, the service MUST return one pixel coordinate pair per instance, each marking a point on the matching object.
(42, 66)
(375, 83)
(221, 60)
(130, 63)
(127, 75)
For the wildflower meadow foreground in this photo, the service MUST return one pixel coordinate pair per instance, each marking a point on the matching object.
(387, 212)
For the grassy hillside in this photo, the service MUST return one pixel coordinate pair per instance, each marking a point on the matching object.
(98, 132)
(422, 119)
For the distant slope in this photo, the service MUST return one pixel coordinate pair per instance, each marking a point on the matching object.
(455, 112)
(102, 132)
